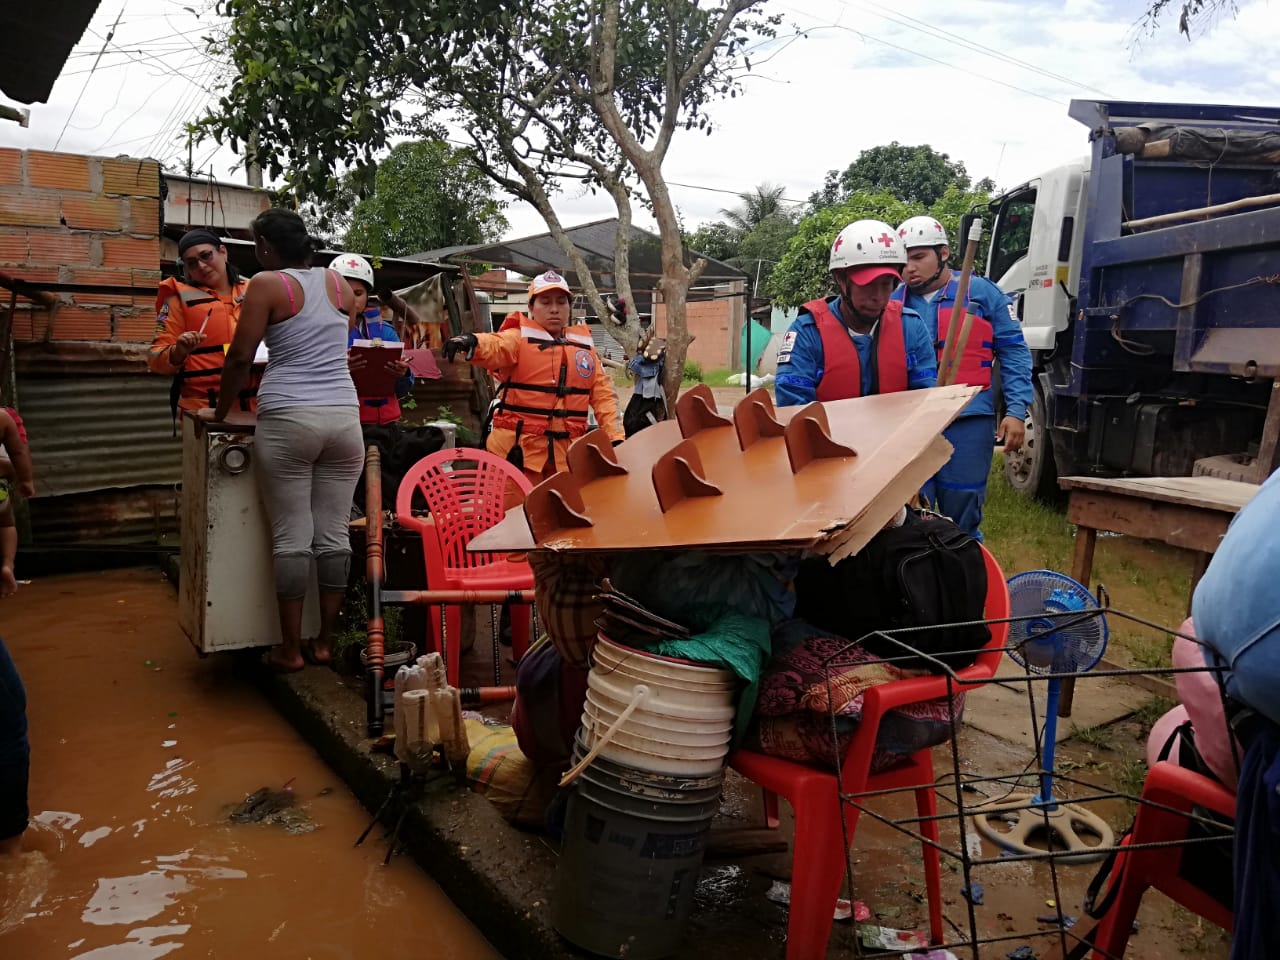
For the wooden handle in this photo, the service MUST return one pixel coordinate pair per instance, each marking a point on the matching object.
(961, 320)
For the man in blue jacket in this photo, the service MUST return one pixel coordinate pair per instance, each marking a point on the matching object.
(929, 288)
(858, 343)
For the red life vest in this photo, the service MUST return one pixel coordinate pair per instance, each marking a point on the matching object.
(548, 391)
(842, 369)
(975, 362)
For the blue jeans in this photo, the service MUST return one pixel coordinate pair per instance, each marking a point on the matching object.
(959, 489)
(15, 750)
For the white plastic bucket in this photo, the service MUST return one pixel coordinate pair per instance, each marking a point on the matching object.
(653, 667)
(673, 732)
(620, 687)
(611, 708)
(618, 699)
(653, 756)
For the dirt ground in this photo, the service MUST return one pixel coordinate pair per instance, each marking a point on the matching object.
(886, 864)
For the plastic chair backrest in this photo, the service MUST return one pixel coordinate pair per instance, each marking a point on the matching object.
(465, 490)
(878, 700)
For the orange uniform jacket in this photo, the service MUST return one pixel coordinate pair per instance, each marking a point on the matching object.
(181, 307)
(547, 385)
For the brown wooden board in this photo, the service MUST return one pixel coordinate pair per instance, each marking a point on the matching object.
(1176, 524)
(1210, 493)
(759, 502)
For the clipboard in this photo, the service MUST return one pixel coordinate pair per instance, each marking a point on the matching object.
(422, 364)
(373, 379)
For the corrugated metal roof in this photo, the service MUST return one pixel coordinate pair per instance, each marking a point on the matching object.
(95, 432)
(605, 343)
(35, 41)
(596, 242)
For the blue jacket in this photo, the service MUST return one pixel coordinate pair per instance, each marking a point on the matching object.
(1008, 344)
(800, 360)
(369, 327)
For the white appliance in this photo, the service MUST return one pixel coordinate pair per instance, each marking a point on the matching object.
(226, 589)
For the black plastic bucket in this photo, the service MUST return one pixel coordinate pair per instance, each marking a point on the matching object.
(633, 846)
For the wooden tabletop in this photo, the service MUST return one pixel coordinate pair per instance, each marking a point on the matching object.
(1207, 493)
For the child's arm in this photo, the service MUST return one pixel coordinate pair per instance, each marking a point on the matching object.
(18, 453)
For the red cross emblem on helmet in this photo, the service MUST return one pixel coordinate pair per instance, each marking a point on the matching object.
(886, 240)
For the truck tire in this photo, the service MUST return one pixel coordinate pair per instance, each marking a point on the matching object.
(1032, 471)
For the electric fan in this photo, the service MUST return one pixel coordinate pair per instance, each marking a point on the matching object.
(1051, 641)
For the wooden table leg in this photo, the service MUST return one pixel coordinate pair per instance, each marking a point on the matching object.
(1081, 570)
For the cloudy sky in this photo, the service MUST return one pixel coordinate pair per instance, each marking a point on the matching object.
(985, 81)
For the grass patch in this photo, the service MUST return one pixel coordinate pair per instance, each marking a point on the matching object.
(1100, 738)
(1129, 779)
(1144, 578)
(1024, 532)
(1151, 711)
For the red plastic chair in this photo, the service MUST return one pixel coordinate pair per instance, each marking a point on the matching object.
(818, 857)
(1135, 870)
(465, 490)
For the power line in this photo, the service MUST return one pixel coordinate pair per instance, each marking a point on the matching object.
(925, 56)
(940, 33)
(76, 105)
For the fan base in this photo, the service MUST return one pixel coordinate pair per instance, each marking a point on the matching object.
(1075, 834)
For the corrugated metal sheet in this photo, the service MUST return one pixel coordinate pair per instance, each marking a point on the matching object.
(605, 343)
(98, 432)
(138, 515)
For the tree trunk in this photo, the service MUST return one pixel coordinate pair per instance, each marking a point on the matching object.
(675, 297)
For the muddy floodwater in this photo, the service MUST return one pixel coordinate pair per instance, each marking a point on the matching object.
(140, 754)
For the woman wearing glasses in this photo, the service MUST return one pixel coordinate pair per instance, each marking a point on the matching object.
(195, 320)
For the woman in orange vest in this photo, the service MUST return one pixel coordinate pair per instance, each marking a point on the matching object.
(195, 320)
(550, 376)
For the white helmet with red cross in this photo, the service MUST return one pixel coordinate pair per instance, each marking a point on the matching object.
(353, 268)
(922, 232)
(868, 249)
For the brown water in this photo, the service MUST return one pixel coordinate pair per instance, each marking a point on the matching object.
(139, 752)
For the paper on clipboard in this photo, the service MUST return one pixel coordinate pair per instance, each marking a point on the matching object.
(422, 363)
(373, 379)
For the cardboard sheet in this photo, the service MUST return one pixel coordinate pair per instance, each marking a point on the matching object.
(756, 482)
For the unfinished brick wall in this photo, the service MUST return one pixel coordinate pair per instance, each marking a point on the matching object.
(713, 325)
(66, 218)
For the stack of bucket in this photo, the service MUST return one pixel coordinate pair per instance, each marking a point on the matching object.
(637, 820)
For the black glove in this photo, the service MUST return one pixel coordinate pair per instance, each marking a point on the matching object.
(463, 344)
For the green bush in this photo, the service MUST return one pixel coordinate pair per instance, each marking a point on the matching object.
(693, 372)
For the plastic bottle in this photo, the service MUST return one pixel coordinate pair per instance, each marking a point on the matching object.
(410, 677)
(446, 707)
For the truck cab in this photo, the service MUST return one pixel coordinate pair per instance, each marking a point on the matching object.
(1146, 283)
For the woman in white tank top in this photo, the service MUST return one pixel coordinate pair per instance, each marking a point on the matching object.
(308, 442)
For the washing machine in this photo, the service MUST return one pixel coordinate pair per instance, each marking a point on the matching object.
(226, 589)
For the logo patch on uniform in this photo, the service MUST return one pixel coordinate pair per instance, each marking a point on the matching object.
(788, 344)
(162, 317)
(585, 363)
(1013, 312)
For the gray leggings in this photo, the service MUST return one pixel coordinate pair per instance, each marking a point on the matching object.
(309, 461)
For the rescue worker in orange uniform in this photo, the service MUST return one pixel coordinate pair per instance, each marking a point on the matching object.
(550, 376)
(195, 321)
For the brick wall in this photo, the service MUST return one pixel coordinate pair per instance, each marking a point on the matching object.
(716, 326)
(66, 218)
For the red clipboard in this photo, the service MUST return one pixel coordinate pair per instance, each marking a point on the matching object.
(374, 379)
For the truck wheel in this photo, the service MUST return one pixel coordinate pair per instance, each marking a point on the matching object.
(1031, 471)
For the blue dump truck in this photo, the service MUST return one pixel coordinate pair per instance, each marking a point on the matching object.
(1147, 282)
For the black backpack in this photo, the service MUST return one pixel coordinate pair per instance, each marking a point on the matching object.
(925, 572)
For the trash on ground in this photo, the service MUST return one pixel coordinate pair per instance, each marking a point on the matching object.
(1065, 919)
(887, 938)
(1023, 952)
(780, 892)
(974, 893)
